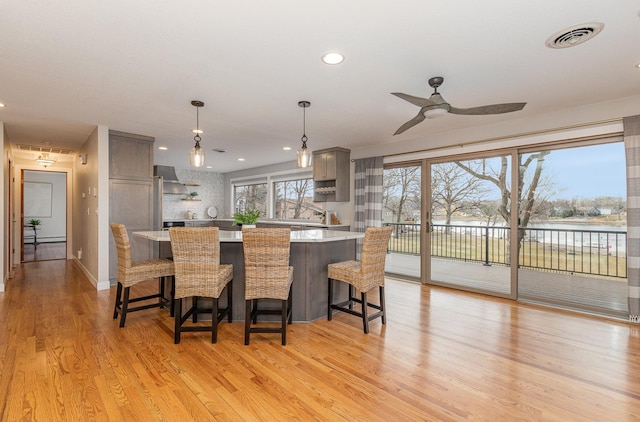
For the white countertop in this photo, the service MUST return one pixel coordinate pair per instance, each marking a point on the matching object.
(297, 236)
(305, 223)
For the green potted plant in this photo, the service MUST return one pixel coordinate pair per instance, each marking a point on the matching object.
(247, 218)
(34, 222)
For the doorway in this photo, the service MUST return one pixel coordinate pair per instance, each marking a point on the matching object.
(44, 215)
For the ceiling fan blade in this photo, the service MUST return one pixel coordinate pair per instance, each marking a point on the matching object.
(489, 109)
(411, 123)
(420, 102)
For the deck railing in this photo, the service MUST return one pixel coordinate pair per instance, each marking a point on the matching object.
(594, 252)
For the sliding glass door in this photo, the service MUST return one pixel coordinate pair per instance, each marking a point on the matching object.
(572, 234)
(470, 214)
(402, 197)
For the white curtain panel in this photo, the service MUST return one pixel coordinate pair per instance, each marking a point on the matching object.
(368, 195)
(632, 153)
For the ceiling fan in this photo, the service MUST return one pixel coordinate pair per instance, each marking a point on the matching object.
(436, 106)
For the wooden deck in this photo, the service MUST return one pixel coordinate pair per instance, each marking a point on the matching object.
(589, 294)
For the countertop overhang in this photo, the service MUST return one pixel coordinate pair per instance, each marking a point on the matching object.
(305, 223)
(297, 236)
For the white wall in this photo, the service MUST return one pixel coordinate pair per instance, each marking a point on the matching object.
(91, 213)
(4, 211)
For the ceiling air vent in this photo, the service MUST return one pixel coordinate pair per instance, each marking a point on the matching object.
(575, 35)
(49, 149)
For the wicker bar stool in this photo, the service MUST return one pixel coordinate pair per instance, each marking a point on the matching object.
(362, 276)
(196, 255)
(133, 272)
(267, 276)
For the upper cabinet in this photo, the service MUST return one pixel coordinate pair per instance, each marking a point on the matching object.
(130, 156)
(331, 169)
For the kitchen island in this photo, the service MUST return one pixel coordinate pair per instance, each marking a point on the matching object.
(311, 252)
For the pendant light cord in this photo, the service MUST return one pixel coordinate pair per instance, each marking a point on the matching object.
(304, 127)
(197, 138)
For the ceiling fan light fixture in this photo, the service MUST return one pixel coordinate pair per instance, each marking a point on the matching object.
(45, 160)
(196, 153)
(435, 113)
(304, 153)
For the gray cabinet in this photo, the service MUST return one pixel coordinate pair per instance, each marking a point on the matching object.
(225, 225)
(130, 192)
(199, 224)
(130, 156)
(331, 169)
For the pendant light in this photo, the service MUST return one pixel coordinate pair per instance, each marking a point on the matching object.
(196, 154)
(304, 154)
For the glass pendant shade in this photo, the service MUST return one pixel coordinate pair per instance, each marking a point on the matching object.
(304, 156)
(196, 155)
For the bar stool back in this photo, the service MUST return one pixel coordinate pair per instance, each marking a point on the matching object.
(362, 276)
(132, 272)
(196, 254)
(267, 276)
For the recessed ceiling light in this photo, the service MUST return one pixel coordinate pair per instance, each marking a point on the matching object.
(286, 148)
(638, 65)
(240, 159)
(209, 167)
(332, 58)
(2, 105)
(163, 148)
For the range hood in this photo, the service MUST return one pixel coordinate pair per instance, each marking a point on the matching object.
(170, 182)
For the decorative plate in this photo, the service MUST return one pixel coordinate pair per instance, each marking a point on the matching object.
(212, 212)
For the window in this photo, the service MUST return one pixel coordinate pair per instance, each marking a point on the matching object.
(250, 197)
(293, 199)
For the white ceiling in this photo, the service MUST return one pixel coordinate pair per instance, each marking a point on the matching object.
(135, 65)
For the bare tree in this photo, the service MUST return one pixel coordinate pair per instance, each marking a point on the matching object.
(533, 189)
(299, 189)
(455, 189)
(250, 197)
(401, 190)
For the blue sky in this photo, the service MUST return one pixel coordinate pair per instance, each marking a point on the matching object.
(588, 172)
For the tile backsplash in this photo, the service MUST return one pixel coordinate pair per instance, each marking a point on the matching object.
(210, 188)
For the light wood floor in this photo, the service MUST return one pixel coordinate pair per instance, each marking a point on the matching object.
(443, 355)
(45, 251)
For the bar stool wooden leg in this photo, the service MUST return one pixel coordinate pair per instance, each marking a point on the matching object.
(118, 300)
(125, 306)
(230, 301)
(177, 320)
(290, 300)
(330, 300)
(382, 306)
(284, 306)
(247, 321)
(365, 317)
(214, 321)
